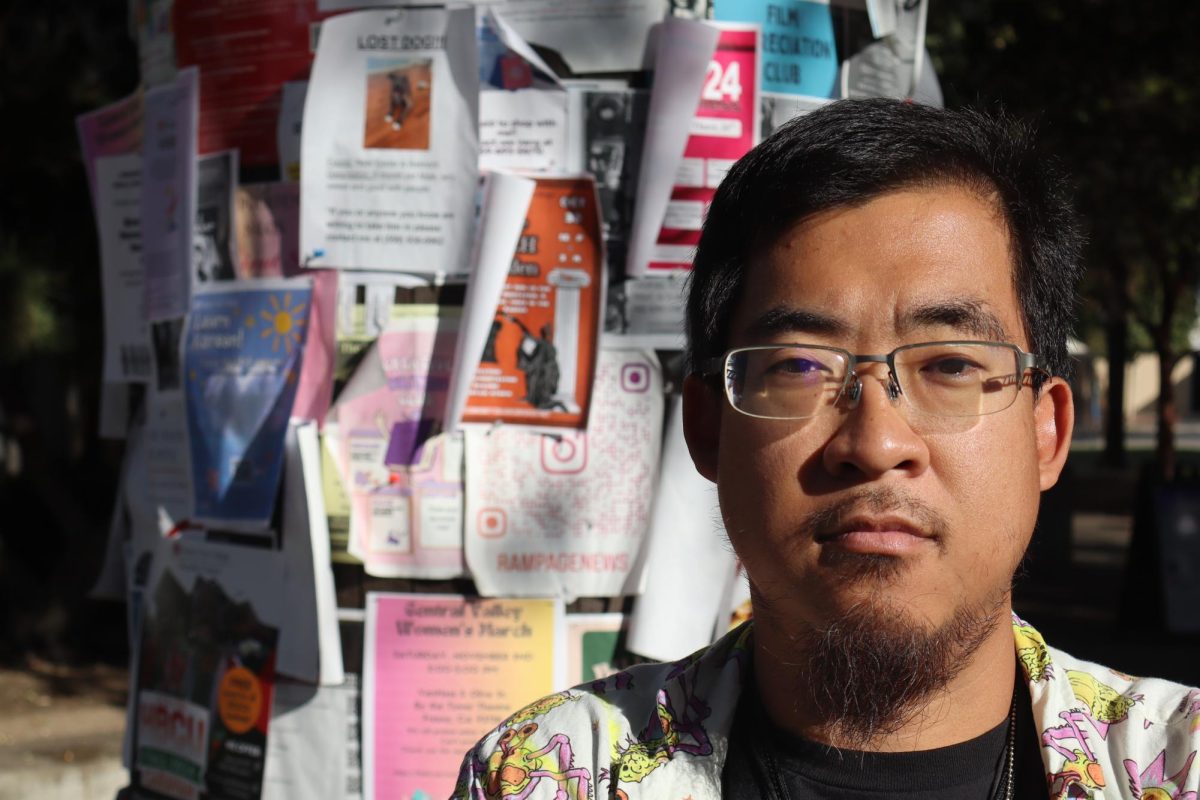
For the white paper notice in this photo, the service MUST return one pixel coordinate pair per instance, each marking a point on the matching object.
(681, 67)
(591, 35)
(523, 130)
(315, 647)
(127, 354)
(313, 751)
(563, 515)
(678, 608)
(390, 142)
(169, 194)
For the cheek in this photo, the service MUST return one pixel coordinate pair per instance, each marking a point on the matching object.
(759, 486)
(993, 490)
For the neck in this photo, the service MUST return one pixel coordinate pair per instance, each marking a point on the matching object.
(974, 699)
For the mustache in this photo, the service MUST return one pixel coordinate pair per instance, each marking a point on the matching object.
(827, 521)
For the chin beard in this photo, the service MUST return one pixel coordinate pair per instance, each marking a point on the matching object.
(870, 672)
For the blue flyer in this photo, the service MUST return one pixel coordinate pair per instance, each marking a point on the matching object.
(242, 356)
(799, 55)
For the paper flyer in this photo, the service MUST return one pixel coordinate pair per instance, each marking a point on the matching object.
(151, 20)
(725, 127)
(127, 353)
(780, 108)
(314, 392)
(591, 644)
(242, 355)
(214, 236)
(168, 203)
(111, 130)
(267, 218)
(311, 650)
(287, 130)
(390, 142)
(539, 357)
(653, 310)
(404, 487)
(337, 502)
(590, 36)
(165, 490)
(504, 206)
(523, 121)
(267, 221)
(607, 122)
(524, 130)
(799, 54)
(313, 751)
(678, 609)
(441, 670)
(890, 65)
(244, 53)
(681, 70)
(564, 515)
(206, 669)
(368, 302)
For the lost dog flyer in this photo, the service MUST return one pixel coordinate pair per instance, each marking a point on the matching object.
(390, 142)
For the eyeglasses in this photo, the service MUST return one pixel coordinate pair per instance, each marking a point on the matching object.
(944, 379)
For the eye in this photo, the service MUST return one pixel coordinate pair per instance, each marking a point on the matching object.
(953, 366)
(797, 365)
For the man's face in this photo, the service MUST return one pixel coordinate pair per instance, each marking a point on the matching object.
(871, 503)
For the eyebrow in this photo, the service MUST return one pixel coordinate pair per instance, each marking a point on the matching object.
(967, 315)
(784, 319)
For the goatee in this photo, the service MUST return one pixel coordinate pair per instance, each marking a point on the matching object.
(870, 672)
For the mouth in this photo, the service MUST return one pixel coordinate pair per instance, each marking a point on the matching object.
(877, 535)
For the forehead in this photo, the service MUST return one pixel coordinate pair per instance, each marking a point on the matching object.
(909, 265)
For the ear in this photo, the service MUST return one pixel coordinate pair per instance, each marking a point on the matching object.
(702, 405)
(1054, 418)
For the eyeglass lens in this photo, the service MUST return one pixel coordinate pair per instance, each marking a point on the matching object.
(943, 379)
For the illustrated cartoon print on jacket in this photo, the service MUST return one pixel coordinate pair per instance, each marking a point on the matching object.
(662, 731)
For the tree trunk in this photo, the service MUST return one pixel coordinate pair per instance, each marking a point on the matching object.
(1116, 334)
(1168, 414)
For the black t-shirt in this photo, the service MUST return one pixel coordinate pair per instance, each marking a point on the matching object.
(765, 763)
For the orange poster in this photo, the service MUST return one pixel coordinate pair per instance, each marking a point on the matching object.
(540, 357)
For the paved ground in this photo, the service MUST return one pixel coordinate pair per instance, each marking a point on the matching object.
(60, 732)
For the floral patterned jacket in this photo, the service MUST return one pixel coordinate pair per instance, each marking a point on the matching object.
(661, 731)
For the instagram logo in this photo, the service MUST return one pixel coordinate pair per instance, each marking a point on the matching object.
(564, 454)
(635, 378)
(492, 523)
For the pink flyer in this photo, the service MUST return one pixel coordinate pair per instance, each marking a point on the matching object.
(404, 483)
(440, 671)
(724, 128)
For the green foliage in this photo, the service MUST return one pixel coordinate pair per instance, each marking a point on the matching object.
(1115, 86)
(57, 60)
(29, 320)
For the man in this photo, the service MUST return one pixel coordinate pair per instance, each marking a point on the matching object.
(877, 327)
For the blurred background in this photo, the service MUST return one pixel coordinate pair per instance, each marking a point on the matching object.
(1115, 90)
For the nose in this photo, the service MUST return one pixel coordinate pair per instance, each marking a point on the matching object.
(874, 437)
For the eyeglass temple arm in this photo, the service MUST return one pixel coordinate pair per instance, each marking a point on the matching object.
(1026, 361)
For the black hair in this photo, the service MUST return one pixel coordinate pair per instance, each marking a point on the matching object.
(849, 152)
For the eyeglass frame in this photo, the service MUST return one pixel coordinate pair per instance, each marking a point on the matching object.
(718, 367)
